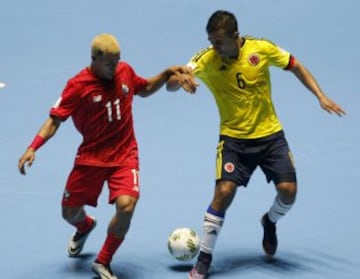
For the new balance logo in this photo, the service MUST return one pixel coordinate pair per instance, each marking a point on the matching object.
(97, 98)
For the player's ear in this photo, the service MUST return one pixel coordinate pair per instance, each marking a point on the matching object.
(236, 35)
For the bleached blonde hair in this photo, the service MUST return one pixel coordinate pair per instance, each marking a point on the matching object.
(104, 43)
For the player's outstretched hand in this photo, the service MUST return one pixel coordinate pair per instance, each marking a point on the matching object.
(27, 158)
(183, 77)
(187, 82)
(330, 106)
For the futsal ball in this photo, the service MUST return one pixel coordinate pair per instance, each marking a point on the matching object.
(183, 244)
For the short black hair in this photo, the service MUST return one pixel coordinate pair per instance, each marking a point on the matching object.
(222, 20)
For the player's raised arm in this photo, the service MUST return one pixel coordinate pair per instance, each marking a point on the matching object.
(47, 130)
(305, 76)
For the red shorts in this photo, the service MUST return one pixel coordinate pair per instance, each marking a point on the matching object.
(85, 184)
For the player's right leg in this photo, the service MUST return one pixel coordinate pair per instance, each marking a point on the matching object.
(78, 239)
(213, 221)
(278, 165)
(83, 187)
(231, 170)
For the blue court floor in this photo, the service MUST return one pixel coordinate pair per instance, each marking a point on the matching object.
(43, 43)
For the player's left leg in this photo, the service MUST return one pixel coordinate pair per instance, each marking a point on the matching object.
(278, 165)
(117, 229)
(281, 205)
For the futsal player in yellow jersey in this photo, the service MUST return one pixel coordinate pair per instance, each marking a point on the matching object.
(241, 87)
(236, 71)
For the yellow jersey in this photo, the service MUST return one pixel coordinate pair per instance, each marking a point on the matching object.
(242, 87)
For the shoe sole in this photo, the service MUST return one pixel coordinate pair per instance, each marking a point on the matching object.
(211, 270)
(100, 275)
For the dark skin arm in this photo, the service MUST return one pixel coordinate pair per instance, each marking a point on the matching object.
(175, 82)
(156, 82)
(47, 130)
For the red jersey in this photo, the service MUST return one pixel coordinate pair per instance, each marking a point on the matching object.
(102, 112)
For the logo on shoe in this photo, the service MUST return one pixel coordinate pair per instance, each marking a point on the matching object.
(73, 251)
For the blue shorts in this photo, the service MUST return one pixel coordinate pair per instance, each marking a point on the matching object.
(237, 159)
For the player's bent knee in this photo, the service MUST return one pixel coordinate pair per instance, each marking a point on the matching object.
(72, 214)
(225, 189)
(126, 205)
(287, 192)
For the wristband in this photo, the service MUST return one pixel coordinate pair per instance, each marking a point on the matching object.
(37, 142)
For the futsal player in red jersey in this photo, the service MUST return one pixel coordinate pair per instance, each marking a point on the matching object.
(99, 101)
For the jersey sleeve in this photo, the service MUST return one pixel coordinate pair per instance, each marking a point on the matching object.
(67, 103)
(198, 62)
(139, 83)
(278, 56)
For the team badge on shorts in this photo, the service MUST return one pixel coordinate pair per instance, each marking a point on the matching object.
(229, 167)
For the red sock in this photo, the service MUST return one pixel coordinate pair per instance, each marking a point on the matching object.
(109, 248)
(84, 226)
